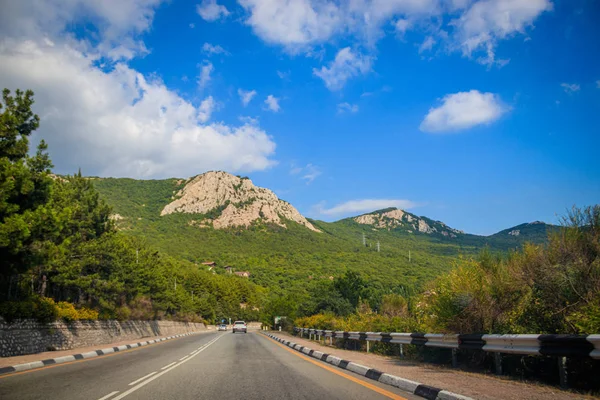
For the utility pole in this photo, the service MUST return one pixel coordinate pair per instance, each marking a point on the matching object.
(364, 240)
(175, 283)
(409, 256)
(378, 246)
(137, 256)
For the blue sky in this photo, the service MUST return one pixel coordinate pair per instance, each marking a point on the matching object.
(480, 113)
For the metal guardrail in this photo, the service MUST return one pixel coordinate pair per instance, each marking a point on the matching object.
(550, 345)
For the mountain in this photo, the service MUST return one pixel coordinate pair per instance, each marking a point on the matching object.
(393, 218)
(227, 219)
(232, 201)
(536, 232)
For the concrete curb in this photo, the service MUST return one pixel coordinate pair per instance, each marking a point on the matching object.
(89, 354)
(416, 388)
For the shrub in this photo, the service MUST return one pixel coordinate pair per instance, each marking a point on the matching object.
(42, 309)
(87, 314)
(123, 313)
(67, 312)
(141, 309)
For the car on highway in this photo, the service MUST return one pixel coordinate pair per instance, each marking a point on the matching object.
(239, 326)
(222, 327)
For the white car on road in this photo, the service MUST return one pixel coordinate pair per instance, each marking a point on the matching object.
(239, 326)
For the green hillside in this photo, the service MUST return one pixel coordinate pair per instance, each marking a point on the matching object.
(288, 259)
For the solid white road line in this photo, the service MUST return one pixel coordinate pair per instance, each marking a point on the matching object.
(133, 389)
(183, 358)
(108, 395)
(167, 366)
(142, 378)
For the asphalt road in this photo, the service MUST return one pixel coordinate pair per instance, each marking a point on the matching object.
(218, 365)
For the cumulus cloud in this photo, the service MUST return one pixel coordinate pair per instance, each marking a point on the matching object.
(204, 78)
(209, 10)
(211, 49)
(118, 23)
(366, 205)
(463, 110)
(570, 88)
(598, 84)
(347, 107)
(471, 27)
(206, 108)
(347, 64)
(246, 96)
(293, 23)
(272, 103)
(488, 21)
(115, 121)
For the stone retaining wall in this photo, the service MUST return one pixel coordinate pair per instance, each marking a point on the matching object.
(30, 337)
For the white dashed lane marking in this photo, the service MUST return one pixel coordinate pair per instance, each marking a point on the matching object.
(167, 366)
(108, 395)
(142, 378)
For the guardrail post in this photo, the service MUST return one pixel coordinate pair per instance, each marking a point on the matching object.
(454, 358)
(331, 340)
(498, 363)
(562, 372)
(401, 350)
(368, 346)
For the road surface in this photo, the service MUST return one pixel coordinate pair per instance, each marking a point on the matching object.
(218, 365)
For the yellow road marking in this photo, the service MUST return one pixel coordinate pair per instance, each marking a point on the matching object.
(84, 359)
(343, 375)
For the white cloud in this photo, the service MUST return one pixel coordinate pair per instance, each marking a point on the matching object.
(402, 25)
(207, 106)
(346, 65)
(427, 44)
(488, 21)
(309, 172)
(570, 88)
(209, 10)
(192, 25)
(293, 23)
(204, 78)
(246, 96)
(463, 110)
(118, 22)
(343, 107)
(367, 205)
(272, 103)
(114, 121)
(284, 75)
(249, 120)
(598, 84)
(469, 26)
(211, 49)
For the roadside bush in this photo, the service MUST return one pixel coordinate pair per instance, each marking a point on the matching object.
(67, 311)
(87, 314)
(123, 313)
(141, 309)
(42, 309)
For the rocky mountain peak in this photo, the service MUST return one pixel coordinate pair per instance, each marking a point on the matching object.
(393, 218)
(234, 201)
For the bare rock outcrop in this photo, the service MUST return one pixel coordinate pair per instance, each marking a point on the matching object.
(237, 200)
